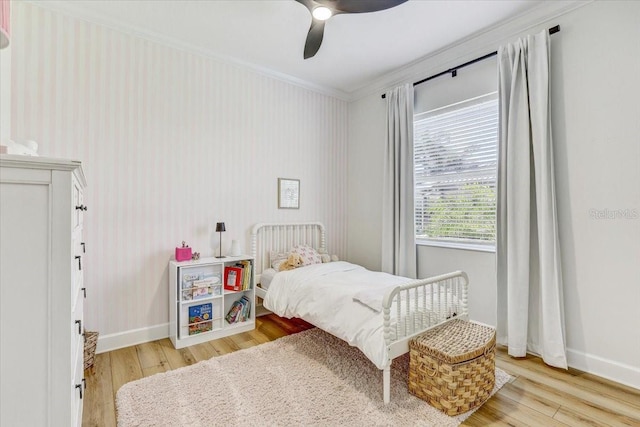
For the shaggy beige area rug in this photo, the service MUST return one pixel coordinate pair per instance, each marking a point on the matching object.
(309, 378)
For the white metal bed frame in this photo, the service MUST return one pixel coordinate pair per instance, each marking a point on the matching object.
(408, 309)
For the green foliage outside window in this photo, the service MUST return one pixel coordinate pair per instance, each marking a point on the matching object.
(465, 215)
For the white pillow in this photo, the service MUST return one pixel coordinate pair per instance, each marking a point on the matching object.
(308, 254)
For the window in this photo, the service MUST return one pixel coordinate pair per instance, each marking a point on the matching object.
(455, 161)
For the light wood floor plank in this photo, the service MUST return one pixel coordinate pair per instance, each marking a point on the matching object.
(536, 396)
(568, 397)
(575, 419)
(523, 414)
(258, 336)
(484, 419)
(99, 407)
(610, 388)
(176, 358)
(579, 379)
(243, 342)
(152, 358)
(223, 346)
(152, 370)
(539, 404)
(125, 367)
(270, 327)
(488, 416)
(580, 393)
(204, 351)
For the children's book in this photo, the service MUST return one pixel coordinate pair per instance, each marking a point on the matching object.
(200, 318)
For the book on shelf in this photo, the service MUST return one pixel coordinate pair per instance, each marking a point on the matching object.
(233, 278)
(246, 274)
(199, 328)
(190, 280)
(200, 318)
(200, 285)
(240, 311)
(200, 289)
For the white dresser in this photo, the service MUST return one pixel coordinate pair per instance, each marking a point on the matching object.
(41, 291)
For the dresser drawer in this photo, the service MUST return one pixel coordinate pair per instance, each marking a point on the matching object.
(77, 329)
(78, 205)
(78, 262)
(78, 387)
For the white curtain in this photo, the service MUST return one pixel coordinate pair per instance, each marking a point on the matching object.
(398, 235)
(530, 301)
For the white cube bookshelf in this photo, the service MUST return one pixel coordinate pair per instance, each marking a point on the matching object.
(199, 301)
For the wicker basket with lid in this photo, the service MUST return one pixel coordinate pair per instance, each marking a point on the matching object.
(452, 366)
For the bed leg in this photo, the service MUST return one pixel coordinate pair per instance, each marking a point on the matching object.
(386, 378)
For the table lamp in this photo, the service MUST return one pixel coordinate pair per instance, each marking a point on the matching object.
(219, 229)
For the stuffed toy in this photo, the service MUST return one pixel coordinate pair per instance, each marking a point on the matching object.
(294, 261)
(325, 257)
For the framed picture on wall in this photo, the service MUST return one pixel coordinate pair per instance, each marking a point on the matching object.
(288, 193)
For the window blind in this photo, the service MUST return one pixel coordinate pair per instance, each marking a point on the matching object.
(455, 161)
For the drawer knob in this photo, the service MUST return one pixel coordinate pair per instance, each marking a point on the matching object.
(84, 291)
(79, 387)
(79, 323)
(81, 208)
(79, 258)
(84, 247)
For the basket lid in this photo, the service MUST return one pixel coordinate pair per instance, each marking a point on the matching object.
(456, 341)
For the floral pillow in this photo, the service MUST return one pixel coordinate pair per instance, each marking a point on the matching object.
(277, 258)
(308, 254)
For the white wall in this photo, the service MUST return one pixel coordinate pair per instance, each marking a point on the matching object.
(5, 94)
(595, 64)
(479, 266)
(171, 142)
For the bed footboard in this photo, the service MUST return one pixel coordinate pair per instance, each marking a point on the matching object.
(418, 306)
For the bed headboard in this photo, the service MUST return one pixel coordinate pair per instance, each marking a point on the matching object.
(281, 237)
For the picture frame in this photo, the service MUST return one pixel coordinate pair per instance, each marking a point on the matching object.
(233, 278)
(288, 193)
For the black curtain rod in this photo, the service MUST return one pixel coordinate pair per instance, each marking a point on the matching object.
(454, 71)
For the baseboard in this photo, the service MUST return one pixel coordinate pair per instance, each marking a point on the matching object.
(128, 338)
(605, 368)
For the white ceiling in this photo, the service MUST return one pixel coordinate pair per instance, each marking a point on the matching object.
(270, 34)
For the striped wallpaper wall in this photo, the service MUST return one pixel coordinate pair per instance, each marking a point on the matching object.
(171, 142)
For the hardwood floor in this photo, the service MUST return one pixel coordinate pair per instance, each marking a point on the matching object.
(537, 396)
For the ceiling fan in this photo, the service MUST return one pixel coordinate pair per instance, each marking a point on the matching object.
(321, 10)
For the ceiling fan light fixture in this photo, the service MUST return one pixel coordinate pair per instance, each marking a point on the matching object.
(322, 13)
(321, 10)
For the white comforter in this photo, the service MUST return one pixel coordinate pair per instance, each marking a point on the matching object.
(324, 295)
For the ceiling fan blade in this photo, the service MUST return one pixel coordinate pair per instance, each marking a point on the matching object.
(309, 4)
(314, 38)
(360, 6)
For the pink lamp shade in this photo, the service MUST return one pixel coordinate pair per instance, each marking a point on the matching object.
(5, 23)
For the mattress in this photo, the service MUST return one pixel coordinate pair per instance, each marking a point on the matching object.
(323, 295)
(266, 277)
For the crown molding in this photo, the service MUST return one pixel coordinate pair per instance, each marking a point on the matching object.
(76, 10)
(477, 44)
